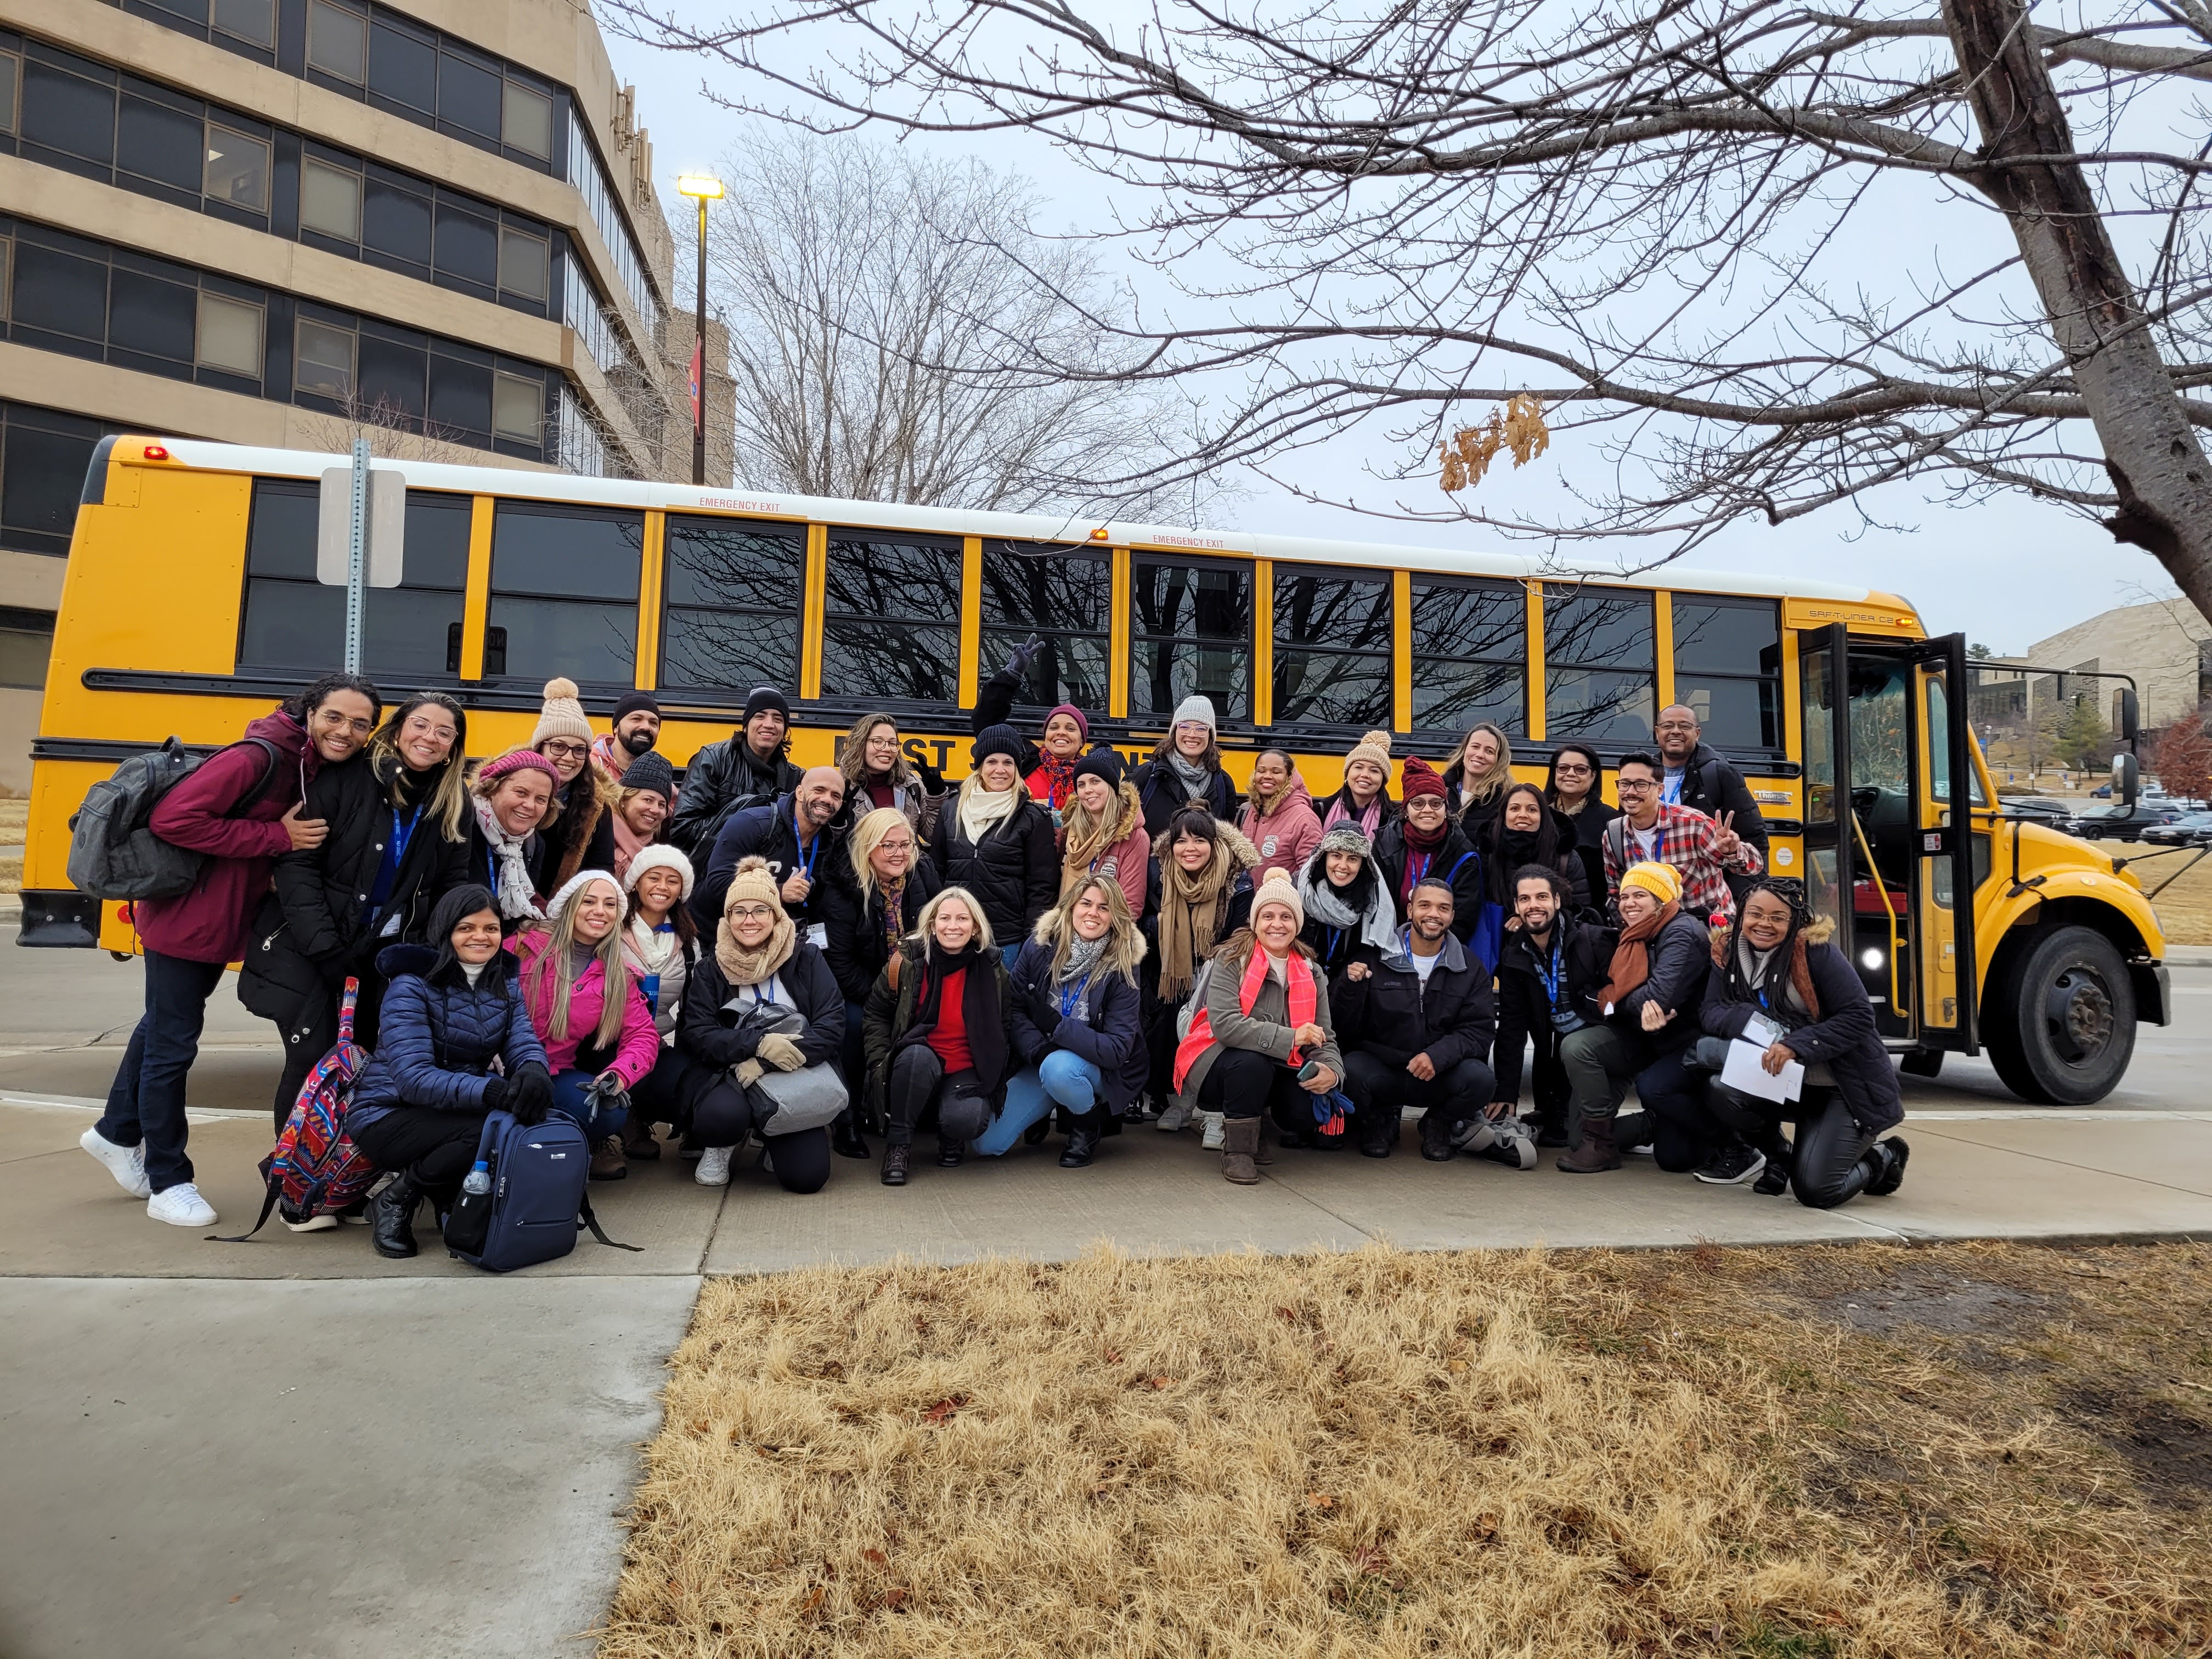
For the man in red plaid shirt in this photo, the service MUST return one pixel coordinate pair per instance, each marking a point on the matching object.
(1707, 851)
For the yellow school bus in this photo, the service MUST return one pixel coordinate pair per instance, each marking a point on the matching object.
(193, 602)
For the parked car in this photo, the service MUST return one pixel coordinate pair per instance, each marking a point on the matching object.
(2190, 830)
(2034, 806)
(2102, 792)
(2117, 821)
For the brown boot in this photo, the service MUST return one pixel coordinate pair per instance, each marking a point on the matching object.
(1240, 1138)
(1596, 1153)
(607, 1163)
(637, 1142)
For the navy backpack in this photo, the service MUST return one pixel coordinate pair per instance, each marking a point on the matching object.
(536, 1198)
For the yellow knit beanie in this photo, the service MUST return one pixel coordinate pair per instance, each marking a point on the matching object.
(1662, 881)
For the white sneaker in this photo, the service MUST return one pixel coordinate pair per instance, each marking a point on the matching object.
(714, 1169)
(126, 1164)
(1174, 1115)
(314, 1223)
(181, 1206)
(1216, 1131)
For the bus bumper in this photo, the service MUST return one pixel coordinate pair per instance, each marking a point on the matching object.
(2153, 996)
(59, 919)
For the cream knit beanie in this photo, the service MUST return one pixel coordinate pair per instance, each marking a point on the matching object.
(564, 715)
(1375, 746)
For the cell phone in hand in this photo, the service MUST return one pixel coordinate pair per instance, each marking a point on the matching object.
(1308, 1071)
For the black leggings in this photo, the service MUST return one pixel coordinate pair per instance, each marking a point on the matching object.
(1244, 1082)
(724, 1117)
(661, 1096)
(918, 1084)
(1833, 1159)
(434, 1147)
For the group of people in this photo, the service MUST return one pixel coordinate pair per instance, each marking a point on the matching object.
(799, 958)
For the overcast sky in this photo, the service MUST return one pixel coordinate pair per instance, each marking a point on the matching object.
(2007, 573)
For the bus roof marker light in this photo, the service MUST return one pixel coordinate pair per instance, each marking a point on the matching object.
(155, 453)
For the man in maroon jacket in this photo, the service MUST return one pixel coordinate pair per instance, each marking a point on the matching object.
(241, 808)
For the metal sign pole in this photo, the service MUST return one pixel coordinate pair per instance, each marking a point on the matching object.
(357, 555)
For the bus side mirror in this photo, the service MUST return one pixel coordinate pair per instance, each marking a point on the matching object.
(2130, 718)
(2127, 777)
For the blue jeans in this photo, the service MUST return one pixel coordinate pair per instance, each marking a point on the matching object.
(146, 1101)
(1060, 1078)
(572, 1098)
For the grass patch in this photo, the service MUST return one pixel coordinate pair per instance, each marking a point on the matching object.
(1832, 1451)
(2184, 909)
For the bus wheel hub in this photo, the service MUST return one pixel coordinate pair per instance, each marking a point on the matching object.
(2080, 1011)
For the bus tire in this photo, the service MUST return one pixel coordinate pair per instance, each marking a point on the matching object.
(2063, 1025)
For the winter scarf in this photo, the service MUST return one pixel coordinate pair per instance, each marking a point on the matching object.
(1088, 838)
(1420, 852)
(517, 897)
(1631, 957)
(742, 967)
(981, 809)
(1368, 818)
(1298, 993)
(628, 845)
(1194, 776)
(894, 894)
(1191, 911)
(1325, 903)
(1058, 772)
(1083, 955)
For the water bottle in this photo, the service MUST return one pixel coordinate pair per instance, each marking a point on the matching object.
(479, 1179)
(469, 1223)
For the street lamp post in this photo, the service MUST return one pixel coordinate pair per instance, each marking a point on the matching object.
(703, 189)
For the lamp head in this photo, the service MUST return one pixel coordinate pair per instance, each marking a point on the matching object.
(699, 186)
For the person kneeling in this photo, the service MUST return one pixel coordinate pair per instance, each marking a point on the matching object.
(1077, 1023)
(600, 1041)
(419, 1106)
(939, 1033)
(764, 1019)
(1260, 1040)
(1415, 1028)
(1782, 984)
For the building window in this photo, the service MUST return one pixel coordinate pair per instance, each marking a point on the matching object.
(732, 594)
(1601, 675)
(469, 93)
(329, 199)
(1061, 595)
(1192, 632)
(522, 264)
(403, 65)
(11, 72)
(325, 356)
(237, 169)
(465, 246)
(230, 335)
(72, 115)
(44, 456)
(1728, 669)
(891, 617)
(338, 41)
(526, 121)
(564, 593)
(253, 22)
(518, 408)
(1332, 649)
(27, 640)
(1470, 654)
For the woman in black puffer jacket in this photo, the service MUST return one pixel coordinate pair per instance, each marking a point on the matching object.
(994, 841)
(398, 840)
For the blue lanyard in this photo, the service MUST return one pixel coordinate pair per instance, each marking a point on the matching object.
(807, 868)
(402, 834)
(1557, 969)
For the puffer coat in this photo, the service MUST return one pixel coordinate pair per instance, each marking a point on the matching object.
(441, 1035)
(1013, 871)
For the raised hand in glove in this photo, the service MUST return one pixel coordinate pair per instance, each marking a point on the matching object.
(1018, 664)
(780, 1051)
(932, 781)
(529, 1094)
(748, 1072)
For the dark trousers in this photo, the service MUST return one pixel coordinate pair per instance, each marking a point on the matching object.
(1684, 1133)
(146, 1101)
(662, 1094)
(918, 1085)
(1383, 1087)
(1160, 1041)
(316, 1033)
(1244, 1083)
(434, 1147)
(724, 1117)
(1833, 1159)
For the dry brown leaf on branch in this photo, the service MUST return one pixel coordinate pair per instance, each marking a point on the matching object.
(1518, 429)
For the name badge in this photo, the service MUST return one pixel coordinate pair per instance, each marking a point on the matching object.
(817, 935)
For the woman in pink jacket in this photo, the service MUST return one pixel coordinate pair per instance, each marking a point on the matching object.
(1278, 817)
(241, 808)
(600, 1041)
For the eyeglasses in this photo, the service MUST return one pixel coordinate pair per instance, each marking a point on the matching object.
(1635, 786)
(1676, 726)
(332, 721)
(890, 846)
(423, 727)
(750, 913)
(1425, 804)
(563, 750)
(1571, 769)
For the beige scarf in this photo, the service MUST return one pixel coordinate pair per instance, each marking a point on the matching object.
(1088, 838)
(981, 808)
(1191, 909)
(742, 967)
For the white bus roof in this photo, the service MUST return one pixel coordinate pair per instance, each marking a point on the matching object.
(532, 485)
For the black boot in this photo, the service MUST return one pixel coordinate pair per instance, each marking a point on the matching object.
(950, 1153)
(1082, 1142)
(1035, 1134)
(845, 1139)
(1436, 1138)
(1379, 1132)
(1891, 1176)
(392, 1217)
(894, 1164)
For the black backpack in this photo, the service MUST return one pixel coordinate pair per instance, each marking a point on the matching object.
(113, 851)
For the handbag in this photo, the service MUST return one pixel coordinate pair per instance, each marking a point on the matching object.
(785, 1102)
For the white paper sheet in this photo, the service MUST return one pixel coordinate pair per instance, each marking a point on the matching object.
(1744, 1072)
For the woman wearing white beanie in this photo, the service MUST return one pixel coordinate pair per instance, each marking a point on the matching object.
(660, 946)
(1185, 769)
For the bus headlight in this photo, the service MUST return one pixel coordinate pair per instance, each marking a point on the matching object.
(1871, 959)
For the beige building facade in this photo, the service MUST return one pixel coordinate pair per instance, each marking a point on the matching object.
(2164, 645)
(290, 221)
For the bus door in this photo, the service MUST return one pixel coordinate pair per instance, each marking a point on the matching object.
(1887, 849)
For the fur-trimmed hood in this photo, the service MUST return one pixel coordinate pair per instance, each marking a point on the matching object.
(1242, 853)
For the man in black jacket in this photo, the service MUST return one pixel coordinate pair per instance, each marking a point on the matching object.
(1549, 973)
(797, 837)
(749, 768)
(1696, 776)
(1415, 1031)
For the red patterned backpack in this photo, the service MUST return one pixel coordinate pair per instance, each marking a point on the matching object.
(315, 1168)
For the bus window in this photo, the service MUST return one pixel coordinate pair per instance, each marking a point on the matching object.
(1600, 674)
(1470, 654)
(1331, 648)
(1061, 595)
(1728, 667)
(892, 618)
(564, 593)
(733, 592)
(1191, 632)
(291, 622)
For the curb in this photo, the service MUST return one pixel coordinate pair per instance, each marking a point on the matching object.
(2188, 956)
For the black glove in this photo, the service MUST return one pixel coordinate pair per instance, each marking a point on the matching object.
(1044, 1010)
(932, 781)
(529, 1094)
(495, 1091)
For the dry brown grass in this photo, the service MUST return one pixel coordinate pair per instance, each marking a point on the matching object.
(1839, 1451)
(2184, 909)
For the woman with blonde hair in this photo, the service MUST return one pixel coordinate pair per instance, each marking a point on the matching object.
(600, 1038)
(1103, 831)
(939, 1033)
(1480, 772)
(1079, 1023)
(643, 799)
(877, 774)
(870, 900)
(998, 843)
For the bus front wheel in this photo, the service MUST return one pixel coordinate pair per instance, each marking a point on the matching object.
(2062, 1027)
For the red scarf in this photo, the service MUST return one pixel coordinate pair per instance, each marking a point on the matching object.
(1298, 983)
(1054, 781)
(1420, 852)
